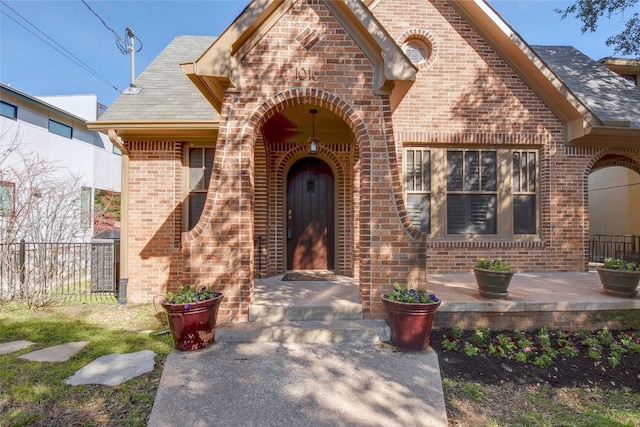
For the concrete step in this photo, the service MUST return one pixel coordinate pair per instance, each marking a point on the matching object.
(308, 331)
(345, 310)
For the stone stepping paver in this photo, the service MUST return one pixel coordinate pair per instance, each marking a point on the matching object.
(114, 369)
(13, 346)
(57, 353)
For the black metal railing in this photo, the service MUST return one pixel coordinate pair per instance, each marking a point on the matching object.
(58, 268)
(625, 247)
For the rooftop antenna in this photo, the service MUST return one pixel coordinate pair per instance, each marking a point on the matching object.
(131, 37)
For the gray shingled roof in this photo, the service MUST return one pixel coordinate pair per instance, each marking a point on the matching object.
(610, 97)
(167, 93)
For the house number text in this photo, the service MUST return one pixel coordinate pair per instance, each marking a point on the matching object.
(308, 73)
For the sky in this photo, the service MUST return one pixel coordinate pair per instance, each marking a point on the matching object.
(71, 47)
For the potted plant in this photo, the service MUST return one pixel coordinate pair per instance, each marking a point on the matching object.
(620, 278)
(410, 314)
(192, 316)
(493, 277)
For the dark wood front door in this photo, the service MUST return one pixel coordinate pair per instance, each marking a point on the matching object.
(310, 233)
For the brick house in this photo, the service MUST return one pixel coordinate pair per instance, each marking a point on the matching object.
(439, 136)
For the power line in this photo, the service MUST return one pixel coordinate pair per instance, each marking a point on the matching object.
(123, 46)
(102, 20)
(56, 46)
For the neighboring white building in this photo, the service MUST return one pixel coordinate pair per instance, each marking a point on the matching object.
(54, 128)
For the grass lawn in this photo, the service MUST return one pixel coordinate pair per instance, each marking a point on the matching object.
(34, 393)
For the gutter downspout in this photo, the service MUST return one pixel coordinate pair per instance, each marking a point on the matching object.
(124, 216)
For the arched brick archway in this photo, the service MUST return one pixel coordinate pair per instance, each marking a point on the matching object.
(613, 202)
(616, 159)
(273, 163)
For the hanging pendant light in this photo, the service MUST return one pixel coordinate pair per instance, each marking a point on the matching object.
(313, 140)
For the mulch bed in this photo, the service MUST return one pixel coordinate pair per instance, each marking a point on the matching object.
(579, 371)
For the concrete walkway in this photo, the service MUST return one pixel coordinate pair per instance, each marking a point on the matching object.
(290, 384)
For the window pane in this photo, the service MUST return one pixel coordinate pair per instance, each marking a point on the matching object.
(454, 170)
(419, 211)
(411, 186)
(200, 170)
(8, 110)
(482, 212)
(524, 214)
(208, 166)
(516, 172)
(426, 170)
(196, 206)
(456, 214)
(471, 214)
(532, 171)
(489, 175)
(60, 129)
(414, 52)
(471, 171)
(196, 175)
(523, 171)
(418, 170)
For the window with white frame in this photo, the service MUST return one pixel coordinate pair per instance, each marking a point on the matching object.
(200, 164)
(458, 192)
(7, 198)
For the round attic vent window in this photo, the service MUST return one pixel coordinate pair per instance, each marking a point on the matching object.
(417, 51)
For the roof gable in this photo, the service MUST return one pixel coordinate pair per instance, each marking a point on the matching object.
(218, 70)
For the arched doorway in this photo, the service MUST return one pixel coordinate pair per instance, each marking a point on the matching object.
(310, 216)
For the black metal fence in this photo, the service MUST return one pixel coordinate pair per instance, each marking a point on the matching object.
(625, 247)
(58, 268)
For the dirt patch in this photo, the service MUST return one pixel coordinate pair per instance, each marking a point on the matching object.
(564, 371)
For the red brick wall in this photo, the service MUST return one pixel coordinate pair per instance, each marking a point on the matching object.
(155, 211)
(467, 95)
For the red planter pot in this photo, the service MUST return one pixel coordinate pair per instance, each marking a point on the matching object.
(192, 325)
(410, 323)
